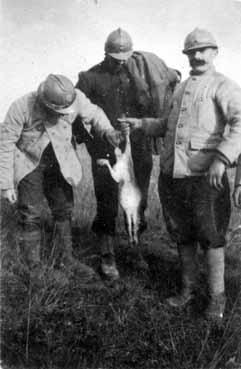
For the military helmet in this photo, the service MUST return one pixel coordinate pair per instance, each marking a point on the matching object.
(197, 39)
(119, 44)
(57, 93)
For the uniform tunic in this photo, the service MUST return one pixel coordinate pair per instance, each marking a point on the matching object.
(27, 130)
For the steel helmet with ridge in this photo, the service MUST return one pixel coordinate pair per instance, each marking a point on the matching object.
(57, 93)
(119, 44)
(198, 39)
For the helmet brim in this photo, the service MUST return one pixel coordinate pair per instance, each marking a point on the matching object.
(204, 46)
(122, 55)
(66, 110)
(70, 109)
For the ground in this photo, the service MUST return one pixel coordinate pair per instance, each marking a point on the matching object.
(59, 322)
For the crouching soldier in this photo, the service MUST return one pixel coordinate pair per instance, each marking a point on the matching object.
(37, 157)
(193, 184)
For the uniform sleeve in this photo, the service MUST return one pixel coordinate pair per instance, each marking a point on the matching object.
(11, 130)
(228, 97)
(92, 116)
(154, 127)
(83, 84)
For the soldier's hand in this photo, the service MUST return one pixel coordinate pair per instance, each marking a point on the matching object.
(113, 137)
(10, 195)
(129, 123)
(237, 196)
(215, 174)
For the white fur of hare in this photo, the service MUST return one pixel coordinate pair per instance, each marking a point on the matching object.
(129, 193)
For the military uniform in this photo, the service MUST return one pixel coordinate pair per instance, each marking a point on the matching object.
(114, 91)
(27, 130)
(193, 186)
(197, 207)
(193, 136)
(38, 158)
(125, 84)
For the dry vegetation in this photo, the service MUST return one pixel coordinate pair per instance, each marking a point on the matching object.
(57, 322)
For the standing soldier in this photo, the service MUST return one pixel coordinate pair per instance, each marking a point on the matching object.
(37, 157)
(125, 83)
(193, 185)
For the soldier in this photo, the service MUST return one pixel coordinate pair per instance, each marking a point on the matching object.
(193, 185)
(38, 159)
(125, 83)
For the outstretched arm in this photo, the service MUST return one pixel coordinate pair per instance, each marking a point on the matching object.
(94, 118)
(154, 127)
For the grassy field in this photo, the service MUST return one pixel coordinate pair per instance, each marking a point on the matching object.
(58, 322)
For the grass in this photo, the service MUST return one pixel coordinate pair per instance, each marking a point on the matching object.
(58, 322)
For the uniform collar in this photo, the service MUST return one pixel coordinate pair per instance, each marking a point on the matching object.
(113, 68)
(208, 72)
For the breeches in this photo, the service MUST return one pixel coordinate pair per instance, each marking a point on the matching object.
(45, 183)
(195, 211)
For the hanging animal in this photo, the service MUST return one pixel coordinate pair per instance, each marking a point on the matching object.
(129, 193)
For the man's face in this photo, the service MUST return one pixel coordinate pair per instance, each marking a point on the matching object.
(52, 114)
(201, 59)
(116, 64)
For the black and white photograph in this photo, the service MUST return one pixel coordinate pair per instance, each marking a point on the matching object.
(120, 184)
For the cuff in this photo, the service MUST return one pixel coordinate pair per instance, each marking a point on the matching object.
(219, 155)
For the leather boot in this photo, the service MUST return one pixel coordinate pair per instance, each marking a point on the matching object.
(143, 223)
(108, 265)
(30, 267)
(62, 253)
(187, 255)
(215, 264)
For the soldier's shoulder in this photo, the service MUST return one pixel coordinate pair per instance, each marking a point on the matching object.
(92, 71)
(223, 80)
(26, 97)
(25, 102)
(220, 77)
(147, 54)
(151, 58)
